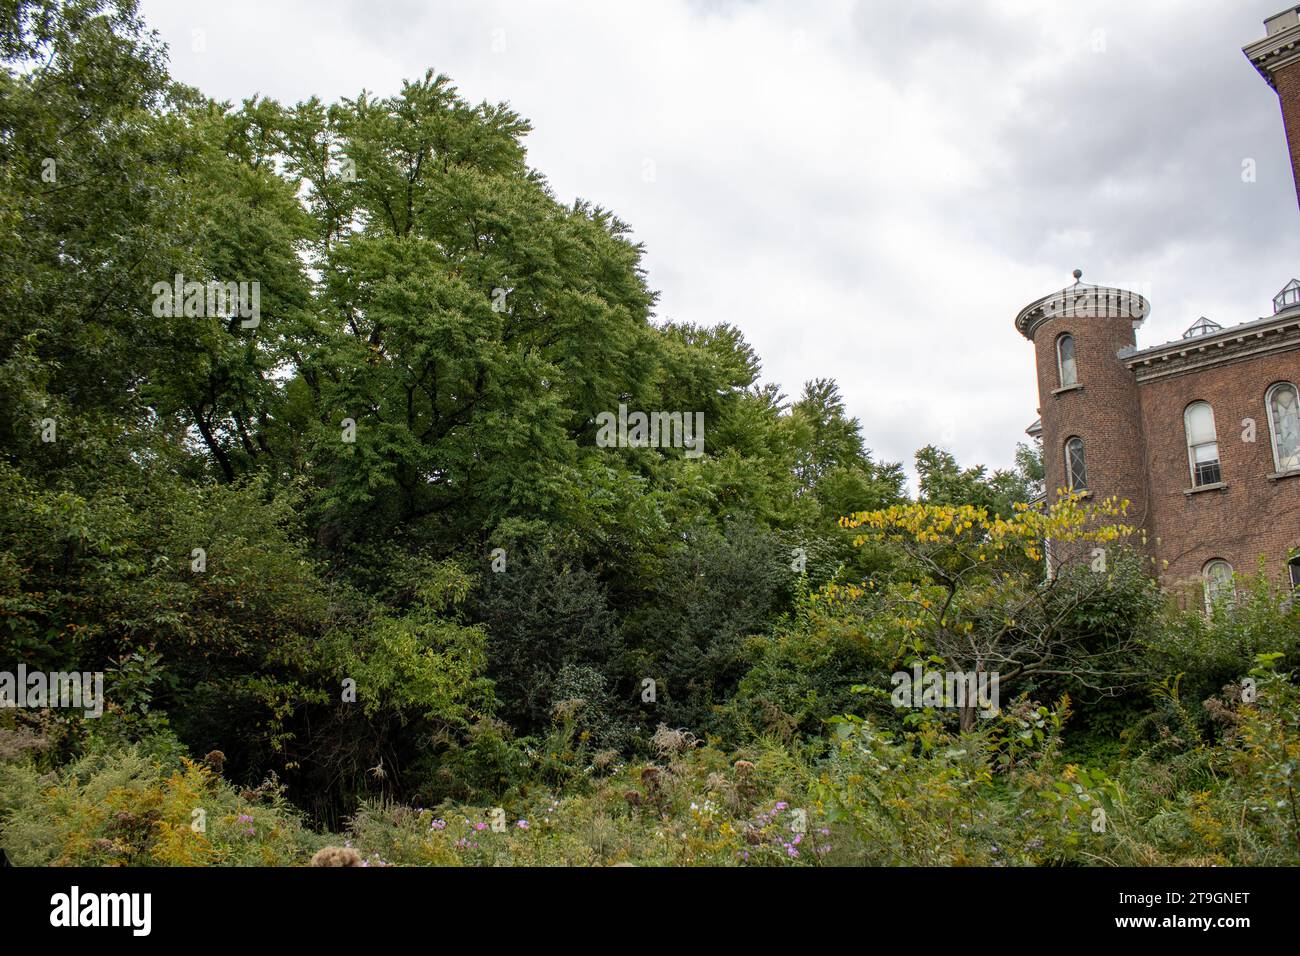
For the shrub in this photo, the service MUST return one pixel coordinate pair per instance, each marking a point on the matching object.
(128, 807)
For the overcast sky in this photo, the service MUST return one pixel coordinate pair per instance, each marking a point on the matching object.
(870, 190)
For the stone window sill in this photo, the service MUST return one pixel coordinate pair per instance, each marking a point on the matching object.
(1279, 475)
(1213, 486)
(1067, 388)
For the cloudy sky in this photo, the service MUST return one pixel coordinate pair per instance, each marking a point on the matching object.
(870, 190)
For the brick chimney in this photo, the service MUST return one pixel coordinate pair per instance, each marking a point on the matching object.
(1277, 57)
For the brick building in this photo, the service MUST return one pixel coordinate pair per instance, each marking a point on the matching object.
(1277, 57)
(1201, 435)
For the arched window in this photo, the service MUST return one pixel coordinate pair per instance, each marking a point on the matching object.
(1076, 469)
(1202, 444)
(1065, 361)
(1284, 422)
(1217, 575)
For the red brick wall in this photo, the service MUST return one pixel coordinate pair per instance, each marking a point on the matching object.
(1253, 515)
(1104, 412)
(1287, 80)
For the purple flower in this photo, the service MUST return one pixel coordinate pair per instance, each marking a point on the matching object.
(438, 825)
(522, 824)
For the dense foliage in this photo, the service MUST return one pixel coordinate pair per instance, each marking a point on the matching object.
(360, 575)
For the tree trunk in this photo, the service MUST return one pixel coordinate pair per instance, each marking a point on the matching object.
(969, 714)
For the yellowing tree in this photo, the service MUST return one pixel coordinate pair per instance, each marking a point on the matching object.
(973, 591)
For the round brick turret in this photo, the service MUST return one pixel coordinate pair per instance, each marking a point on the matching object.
(1101, 406)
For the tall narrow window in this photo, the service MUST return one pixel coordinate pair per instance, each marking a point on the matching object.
(1202, 444)
(1076, 469)
(1284, 422)
(1217, 575)
(1065, 360)
(1294, 566)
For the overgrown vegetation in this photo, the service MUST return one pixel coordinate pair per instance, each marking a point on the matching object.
(366, 590)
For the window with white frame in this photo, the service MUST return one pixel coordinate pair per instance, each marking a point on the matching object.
(1202, 444)
(1217, 576)
(1284, 423)
(1066, 364)
(1076, 468)
(1294, 567)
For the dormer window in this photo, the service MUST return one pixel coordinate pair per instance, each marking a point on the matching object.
(1288, 297)
(1065, 362)
(1202, 326)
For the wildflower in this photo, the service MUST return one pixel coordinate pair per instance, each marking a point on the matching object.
(781, 806)
(522, 824)
(480, 826)
(438, 825)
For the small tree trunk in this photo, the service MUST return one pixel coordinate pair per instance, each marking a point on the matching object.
(969, 715)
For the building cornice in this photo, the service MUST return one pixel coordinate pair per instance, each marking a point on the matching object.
(1279, 49)
(1280, 333)
(1081, 301)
